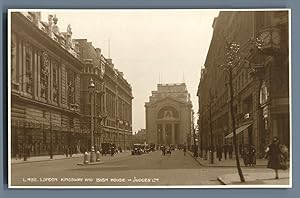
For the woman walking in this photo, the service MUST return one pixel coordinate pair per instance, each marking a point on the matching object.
(274, 156)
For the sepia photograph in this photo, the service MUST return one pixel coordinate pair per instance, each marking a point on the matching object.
(149, 98)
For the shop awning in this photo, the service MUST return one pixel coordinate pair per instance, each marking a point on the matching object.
(238, 130)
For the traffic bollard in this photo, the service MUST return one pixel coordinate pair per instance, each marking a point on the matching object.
(97, 156)
(86, 158)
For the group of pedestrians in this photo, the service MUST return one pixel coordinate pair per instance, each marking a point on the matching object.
(248, 153)
(69, 151)
(23, 151)
(225, 150)
(276, 153)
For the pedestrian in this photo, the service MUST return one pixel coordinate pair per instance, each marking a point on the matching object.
(20, 152)
(67, 151)
(163, 150)
(195, 151)
(219, 152)
(252, 158)
(230, 150)
(206, 152)
(241, 149)
(184, 149)
(112, 151)
(245, 155)
(26, 152)
(17, 152)
(71, 151)
(225, 150)
(276, 159)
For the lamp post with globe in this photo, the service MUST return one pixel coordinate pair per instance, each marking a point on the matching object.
(91, 88)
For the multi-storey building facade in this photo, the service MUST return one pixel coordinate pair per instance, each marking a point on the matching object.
(112, 99)
(45, 85)
(50, 102)
(260, 80)
(169, 115)
(118, 99)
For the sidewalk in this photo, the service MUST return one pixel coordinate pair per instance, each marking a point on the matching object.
(56, 157)
(228, 162)
(43, 158)
(256, 178)
(258, 175)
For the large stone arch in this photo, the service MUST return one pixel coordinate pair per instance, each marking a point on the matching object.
(168, 112)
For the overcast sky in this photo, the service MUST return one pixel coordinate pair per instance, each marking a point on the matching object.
(146, 44)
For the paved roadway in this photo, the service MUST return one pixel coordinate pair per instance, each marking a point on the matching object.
(147, 169)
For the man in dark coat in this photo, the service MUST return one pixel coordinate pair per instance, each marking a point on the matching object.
(273, 155)
(252, 151)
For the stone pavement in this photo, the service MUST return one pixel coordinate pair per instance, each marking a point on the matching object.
(256, 178)
(228, 162)
(55, 157)
(257, 175)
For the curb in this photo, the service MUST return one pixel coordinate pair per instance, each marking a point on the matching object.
(90, 164)
(190, 153)
(221, 181)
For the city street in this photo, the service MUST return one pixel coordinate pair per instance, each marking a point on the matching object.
(70, 95)
(146, 169)
(124, 169)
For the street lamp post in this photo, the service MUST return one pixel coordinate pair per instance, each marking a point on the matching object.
(91, 88)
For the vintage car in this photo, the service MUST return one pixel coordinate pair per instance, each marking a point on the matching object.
(107, 148)
(137, 149)
(169, 151)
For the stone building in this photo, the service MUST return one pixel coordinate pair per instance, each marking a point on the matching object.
(113, 99)
(50, 103)
(169, 115)
(45, 85)
(260, 80)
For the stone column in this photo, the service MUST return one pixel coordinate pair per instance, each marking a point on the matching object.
(164, 134)
(51, 81)
(173, 133)
(24, 68)
(35, 73)
(38, 69)
(59, 83)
